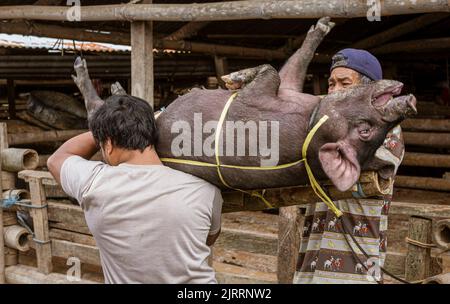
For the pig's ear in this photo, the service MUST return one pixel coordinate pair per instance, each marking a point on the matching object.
(339, 163)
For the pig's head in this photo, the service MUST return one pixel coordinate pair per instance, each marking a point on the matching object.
(359, 120)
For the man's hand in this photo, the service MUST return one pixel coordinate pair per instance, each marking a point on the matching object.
(82, 145)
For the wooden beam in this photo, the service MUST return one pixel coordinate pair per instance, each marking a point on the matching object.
(142, 60)
(3, 146)
(40, 137)
(422, 45)
(418, 259)
(399, 30)
(40, 224)
(187, 31)
(221, 65)
(417, 124)
(55, 31)
(47, 2)
(426, 183)
(11, 98)
(233, 10)
(435, 140)
(426, 160)
(290, 223)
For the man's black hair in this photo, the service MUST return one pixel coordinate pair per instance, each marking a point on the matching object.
(129, 122)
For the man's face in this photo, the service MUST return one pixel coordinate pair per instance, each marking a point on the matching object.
(342, 78)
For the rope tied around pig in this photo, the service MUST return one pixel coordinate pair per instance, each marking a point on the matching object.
(318, 190)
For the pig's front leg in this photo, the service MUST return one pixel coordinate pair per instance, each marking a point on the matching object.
(293, 72)
(91, 99)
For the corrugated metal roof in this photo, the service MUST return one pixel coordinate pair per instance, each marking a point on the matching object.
(51, 44)
(32, 42)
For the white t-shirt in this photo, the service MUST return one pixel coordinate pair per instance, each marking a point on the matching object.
(150, 222)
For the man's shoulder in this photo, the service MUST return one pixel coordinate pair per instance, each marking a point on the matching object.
(189, 179)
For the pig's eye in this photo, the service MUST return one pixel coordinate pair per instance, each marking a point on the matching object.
(364, 131)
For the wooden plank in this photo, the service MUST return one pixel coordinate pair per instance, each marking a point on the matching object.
(67, 217)
(231, 274)
(21, 274)
(86, 254)
(40, 223)
(255, 261)
(416, 209)
(418, 259)
(71, 236)
(142, 60)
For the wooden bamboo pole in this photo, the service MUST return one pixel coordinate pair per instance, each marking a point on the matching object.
(233, 10)
(417, 124)
(187, 31)
(427, 183)
(435, 140)
(15, 160)
(441, 234)
(413, 46)
(40, 137)
(399, 30)
(426, 160)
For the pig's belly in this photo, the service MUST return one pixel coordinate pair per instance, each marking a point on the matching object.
(247, 179)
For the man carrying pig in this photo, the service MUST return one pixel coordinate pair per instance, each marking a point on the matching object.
(152, 224)
(324, 255)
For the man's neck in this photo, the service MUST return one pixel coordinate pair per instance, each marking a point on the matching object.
(136, 157)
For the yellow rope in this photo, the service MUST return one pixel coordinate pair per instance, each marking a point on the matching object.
(314, 184)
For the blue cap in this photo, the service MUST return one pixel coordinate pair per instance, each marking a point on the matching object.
(359, 60)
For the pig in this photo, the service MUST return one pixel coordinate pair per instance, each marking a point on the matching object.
(342, 147)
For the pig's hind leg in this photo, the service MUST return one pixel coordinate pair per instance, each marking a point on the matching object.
(117, 89)
(91, 99)
(293, 72)
(260, 80)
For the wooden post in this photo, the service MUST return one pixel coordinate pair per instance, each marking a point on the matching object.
(289, 224)
(11, 98)
(142, 59)
(316, 85)
(221, 65)
(3, 145)
(418, 258)
(40, 218)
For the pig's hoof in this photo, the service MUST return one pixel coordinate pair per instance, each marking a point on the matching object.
(325, 25)
(117, 89)
(231, 83)
(80, 66)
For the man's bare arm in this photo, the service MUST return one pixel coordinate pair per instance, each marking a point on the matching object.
(82, 145)
(211, 239)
